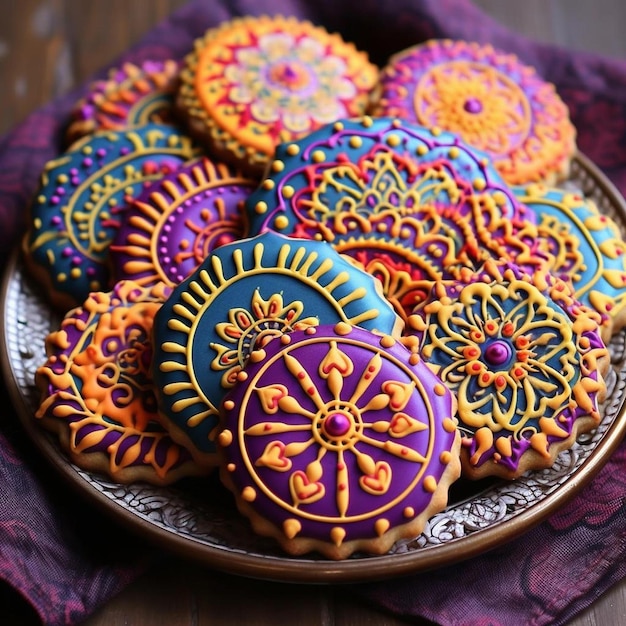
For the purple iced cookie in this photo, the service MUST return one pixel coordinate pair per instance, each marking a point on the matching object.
(338, 439)
(174, 225)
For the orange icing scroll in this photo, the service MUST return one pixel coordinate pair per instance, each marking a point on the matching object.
(97, 391)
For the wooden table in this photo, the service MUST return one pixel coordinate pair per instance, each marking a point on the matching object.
(46, 47)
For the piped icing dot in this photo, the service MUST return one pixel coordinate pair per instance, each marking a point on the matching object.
(381, 526)
(249, 494)
(336, 425)
(337, 535)
(291, 527)
(498, 352)
(473, 105)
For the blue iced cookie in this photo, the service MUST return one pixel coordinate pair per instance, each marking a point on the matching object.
(582, 246)
(81, 202)
(244, 295)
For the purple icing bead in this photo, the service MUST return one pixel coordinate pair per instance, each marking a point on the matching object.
(336, 425)
(498, 352)
(473, 105)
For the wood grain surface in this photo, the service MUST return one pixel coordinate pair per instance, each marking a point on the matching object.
(48, 46)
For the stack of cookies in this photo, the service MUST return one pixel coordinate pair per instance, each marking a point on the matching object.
(344, 287)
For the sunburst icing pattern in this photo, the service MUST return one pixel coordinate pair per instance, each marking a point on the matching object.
(172, 227)
(97, 390)
(335, 431)
(243, 294)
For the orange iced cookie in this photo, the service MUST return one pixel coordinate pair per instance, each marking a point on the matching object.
(490, 99)
(258, 81)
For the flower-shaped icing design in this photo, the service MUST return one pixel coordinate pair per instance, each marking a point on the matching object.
(255, 82)
(478, 102)
(291, 80)
(339, 432)
(520, 354)
(249, 329)
(508, 353)
(97, 388)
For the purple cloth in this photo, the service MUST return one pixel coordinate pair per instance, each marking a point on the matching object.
(47, 548)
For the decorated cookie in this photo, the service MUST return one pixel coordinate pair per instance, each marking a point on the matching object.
(489, 98)
(174, 225)
(97, 391)
(338, 440)
(255, 82)
(132, 95)
(584, 247)
(80, 205)
(393, 195)
(525, 360)
(242, 296)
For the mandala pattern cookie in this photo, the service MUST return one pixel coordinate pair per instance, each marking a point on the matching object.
(525, 360)
(133, 95)
(178, 221)
(81, 201)
(97, 392)
(395, 195)
(584, 247)
(489, 98)
(338, 440)
(244, 295)
(255, 82)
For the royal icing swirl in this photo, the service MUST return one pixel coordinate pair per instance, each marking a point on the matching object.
(581, 246)
(392, 193)
(82, 197)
